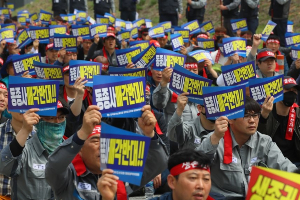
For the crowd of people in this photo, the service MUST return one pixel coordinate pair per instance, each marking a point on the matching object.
(46, 157)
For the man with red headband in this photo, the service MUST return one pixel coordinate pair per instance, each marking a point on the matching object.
(51, 54)
(281, 121)
(273, 43)
(78, 180)
(189, 178)
(235, 146)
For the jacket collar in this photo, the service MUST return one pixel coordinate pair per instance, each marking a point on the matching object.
(79, 165)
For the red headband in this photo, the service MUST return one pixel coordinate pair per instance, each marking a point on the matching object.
(273, 41)
(2, 86)
(289, 81)
(190, 65)
(96, 130)
(66, 68)
(202, 36)
(186, 166)
(265, 54)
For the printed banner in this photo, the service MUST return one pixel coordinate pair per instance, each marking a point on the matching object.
(292, 39)
(27, 93)
(124, 152)
(45, 17)
(268, 30)
(207, 27)
(100, 29)
(124, 35)
(40, 33)
(110, 17)
(226, 101)
(34, 17)
(81, 30)
(260, 88)
(9, 26)
(120, 23)
(5, 12)
(295, 51)
(23, 63)
(67, 41)
(69, 17)
(145, 58)
(91, 20)
(7, 35)
(58, 29)
(119, 71)
(134, 33)
(47, 71)
(124, 56)
(144, 44)
(119, 97)
(84, 69)
(102, 20)
(239, 24)
(177, 42)
(23, 13)
(234, 45)
(23, 39)
(157, 31)
(182, 80)
(272, 184)
(207, 44)
(200, 55)
(193, 26)
(239, 74)
(22, 20)
(184, 33)
(80, 14)
(138, 23)
(11, 6)
(290, 27)
(166, 58)
(167, 26)
(129, 25)
(148, 23)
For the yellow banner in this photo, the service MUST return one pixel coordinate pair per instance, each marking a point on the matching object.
(42, 94)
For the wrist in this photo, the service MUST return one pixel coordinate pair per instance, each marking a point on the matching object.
(163, 84)
(81, 134)
(264, 114)
(150, 134)
(179, 111)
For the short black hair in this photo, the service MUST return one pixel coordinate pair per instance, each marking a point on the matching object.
(3, 83)
(251, 105)
(274, 37)
(188, 155)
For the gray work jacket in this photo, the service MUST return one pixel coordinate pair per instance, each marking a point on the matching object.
(27, 171)
(63, 178)
(162, 97)
(232, 179)
(186, 134)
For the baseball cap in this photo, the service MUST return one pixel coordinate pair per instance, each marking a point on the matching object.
(264, 54)
(49, 47)
(61, 107)
(110, 35)
(290, 82)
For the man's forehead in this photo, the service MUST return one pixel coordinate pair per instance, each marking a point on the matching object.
(196, 172)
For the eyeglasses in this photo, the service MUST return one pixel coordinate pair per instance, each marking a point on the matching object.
(248, 116)
(54, 119)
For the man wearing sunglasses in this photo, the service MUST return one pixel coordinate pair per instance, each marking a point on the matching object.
(235, 146)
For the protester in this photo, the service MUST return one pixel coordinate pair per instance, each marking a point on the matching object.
(279, 12)
(3, 101)
(64, 177)
(65, 57)
(24, 161)
(84, 49)
(188, 134)
(280, 120)
(245, 147)
(51, 55)
(170, 10)
(189, 178)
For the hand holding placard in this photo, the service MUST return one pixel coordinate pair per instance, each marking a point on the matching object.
(91, 118)
(181, 103)
(267, 106)
(147, 121)
(221, 126)
(107, 184)
(166, 75)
